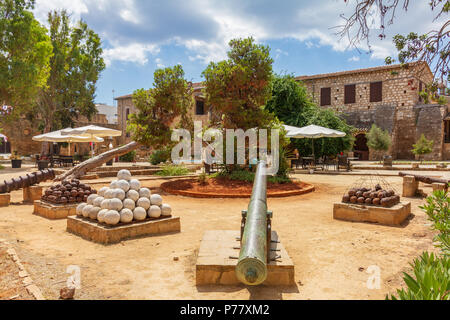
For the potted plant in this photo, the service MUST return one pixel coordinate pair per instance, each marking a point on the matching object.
(16, 161)
(422, 147)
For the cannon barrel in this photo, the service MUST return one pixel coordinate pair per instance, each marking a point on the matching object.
(251, 268)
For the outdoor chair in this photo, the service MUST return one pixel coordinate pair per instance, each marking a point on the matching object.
(343, 162)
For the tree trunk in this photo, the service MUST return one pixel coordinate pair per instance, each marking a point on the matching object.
(81, 169)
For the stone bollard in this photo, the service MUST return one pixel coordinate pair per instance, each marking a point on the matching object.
(5, 199)
(439, 186)
(32, 193)
(410, 186)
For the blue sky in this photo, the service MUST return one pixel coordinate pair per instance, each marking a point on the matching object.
(140, 36)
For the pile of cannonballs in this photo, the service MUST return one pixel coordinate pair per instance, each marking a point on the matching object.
(376, 197)
(69, 191)
(123, 201)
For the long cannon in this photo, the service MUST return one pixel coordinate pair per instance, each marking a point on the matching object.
(251, 268)
(424, 179)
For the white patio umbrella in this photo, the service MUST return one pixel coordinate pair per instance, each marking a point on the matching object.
(56, 136)
(314, 132)
(92, 131)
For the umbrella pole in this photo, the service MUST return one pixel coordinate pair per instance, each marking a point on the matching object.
(313, 152)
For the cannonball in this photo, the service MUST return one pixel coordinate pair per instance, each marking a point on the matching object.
(133, 195)
(145, 193)
(91, 198)
(94, 212)
(109, 194)
(98, 201)
(353, 199)
(126, 215)
(368, 201)
(166, 210)
(376, 201)
(359, 194)
(119, 194)
(346, 198)
(139, 214)
(154, 212)
(105, 204)
(80, 209)
(156, 199)
(115, 204)
(124, 175)
(361, 200)
(366, 194)
(112, 217)
(144, 203)
(102, 191)
(129, 204)
(380, 195)
(87, 210)
(101, 215)
(113, 184)
(124, 185)
(135, 184)
(352, 192)
(373, 195)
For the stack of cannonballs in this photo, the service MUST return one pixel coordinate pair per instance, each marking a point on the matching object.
(376, 196)
(69, 191)
(124, 201)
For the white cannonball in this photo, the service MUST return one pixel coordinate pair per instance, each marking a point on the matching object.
(105, 204)
(98, 201)
(124, 175)
(109, 194)
(112, 217)
(91, 198)
(126, 215)
(80, 209)
(133, 195)
(139, 214)
(156, 199)
(94, 212)
(144, 203)
(119, 194)
(154, 212)
(129, 204)
(135, 184)
(86, 210)
(102, 191)
(166, 210)
(113, 184)
(124, 185)
(115, 204)
(101, 215)
(145, 193)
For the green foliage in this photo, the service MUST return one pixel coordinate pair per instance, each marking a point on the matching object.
(129, 157)
(431, 279)
(159, 156)
(378, 139)
(75, 68)
(202, 178)
(438, 211)
(239, 87)
(170, 170)
(248, 176)
(423, 146)
(170, 97)
(25, 51)
(1, 167)
(291, 104)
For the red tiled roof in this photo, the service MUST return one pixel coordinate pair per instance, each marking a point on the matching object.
(124, 97)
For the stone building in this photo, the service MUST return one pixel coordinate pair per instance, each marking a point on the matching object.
(387, 96)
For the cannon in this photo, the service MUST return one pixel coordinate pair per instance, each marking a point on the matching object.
(256, 233)
(26, 181)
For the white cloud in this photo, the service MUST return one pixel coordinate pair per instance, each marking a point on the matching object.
(353, 59)
(135, 53)
(159, 63)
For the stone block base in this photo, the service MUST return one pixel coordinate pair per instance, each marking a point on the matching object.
(439, 186)
(100, 233)
(5, 199)
(32, 194)
(54, 211)
(216, 261)
(410, 186)
(392, 216)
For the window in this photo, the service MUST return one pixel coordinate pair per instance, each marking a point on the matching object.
(350, 94)
(376, 91)
(199, 107)
(325, 96)
(446, 131)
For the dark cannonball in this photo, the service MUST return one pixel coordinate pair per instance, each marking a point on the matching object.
(359, 194)
(353, 199)
(352, 192)
(346, 198)
(366, 194)
(368, 201)
(376, 201)
(361, 200)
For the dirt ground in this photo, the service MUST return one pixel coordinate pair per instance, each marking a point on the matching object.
(331, 257)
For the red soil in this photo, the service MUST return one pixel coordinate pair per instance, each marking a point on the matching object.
(225, 188)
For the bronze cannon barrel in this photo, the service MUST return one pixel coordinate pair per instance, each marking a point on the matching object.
(252, 264)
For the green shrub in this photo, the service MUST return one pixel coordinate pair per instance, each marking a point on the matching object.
(159, 156)
(1, 167)
(248, 176)
(172, 170)
(129, 157)
(423, 146)
(378, 139)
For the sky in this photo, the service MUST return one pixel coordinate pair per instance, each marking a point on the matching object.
(139, 36)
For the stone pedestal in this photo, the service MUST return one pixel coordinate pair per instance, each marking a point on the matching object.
(439, 186)
(5, 199)
(32, 194)
(54, 211)
(217, 260)
(392, 216)
(410, 186)
(96, 232)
